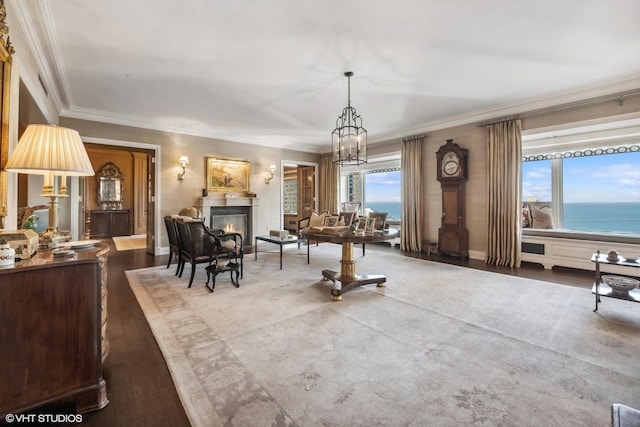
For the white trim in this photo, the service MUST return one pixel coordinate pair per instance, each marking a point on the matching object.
(602, 132)
(158, 186)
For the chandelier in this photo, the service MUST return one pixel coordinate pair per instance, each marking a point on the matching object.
(349, 138)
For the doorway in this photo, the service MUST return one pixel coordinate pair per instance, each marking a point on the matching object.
(140, 185)
(299, 192)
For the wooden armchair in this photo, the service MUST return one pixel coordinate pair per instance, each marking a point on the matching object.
(234, 243)
(198, 245)
(174, 244)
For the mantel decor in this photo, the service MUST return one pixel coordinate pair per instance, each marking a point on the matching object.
(228, 175)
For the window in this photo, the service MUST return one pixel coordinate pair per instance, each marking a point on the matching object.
(593, 190)
(377, 186)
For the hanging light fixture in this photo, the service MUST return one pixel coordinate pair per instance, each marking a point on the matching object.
(349, 138)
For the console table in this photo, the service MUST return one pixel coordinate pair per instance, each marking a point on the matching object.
(110, 223)
(53, 319)
(601, 289)
(347, 279)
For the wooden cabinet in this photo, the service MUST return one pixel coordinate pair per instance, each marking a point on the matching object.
(110, 223)
(53, 320)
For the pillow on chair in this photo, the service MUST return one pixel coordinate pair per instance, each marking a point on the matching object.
(317, 219)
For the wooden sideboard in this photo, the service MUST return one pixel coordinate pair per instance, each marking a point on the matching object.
(53, 320)
(110, 223)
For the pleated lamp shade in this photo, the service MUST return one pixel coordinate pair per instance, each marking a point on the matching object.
(43, 149)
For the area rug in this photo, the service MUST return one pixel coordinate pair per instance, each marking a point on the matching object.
(440, 345)
(127, 243)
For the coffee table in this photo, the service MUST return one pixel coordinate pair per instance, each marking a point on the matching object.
(276, 241)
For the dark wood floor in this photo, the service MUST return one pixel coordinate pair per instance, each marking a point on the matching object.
(140, 389)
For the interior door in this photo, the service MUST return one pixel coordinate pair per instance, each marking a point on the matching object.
(151, 203)
(83, 215)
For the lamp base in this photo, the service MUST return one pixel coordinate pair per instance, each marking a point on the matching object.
(53, 237)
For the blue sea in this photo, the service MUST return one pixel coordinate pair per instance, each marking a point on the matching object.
(608, 217)
(393, 209)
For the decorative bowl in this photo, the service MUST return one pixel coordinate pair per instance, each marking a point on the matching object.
(620, 283)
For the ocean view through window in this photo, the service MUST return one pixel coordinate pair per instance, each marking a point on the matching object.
(596, 190)
(377, 187)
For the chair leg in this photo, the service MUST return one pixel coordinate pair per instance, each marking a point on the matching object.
(181, 268)
(193, 273)
(170, 258)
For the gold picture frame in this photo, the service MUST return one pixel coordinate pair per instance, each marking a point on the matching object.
(230, 176)
(380, 219)
(331, 221)
(347, 217)
(369, 227)
(6, 51)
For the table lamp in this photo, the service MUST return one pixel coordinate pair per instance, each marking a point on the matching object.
(55, 152)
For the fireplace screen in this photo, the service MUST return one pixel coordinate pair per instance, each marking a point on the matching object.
(230, 223)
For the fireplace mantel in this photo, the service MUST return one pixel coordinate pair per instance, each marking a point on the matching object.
(228, 201)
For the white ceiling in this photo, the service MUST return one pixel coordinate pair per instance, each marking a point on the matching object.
(271, 72)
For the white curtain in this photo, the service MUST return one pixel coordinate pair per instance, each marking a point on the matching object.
(504, 192)
(328, 185)
(412, 195)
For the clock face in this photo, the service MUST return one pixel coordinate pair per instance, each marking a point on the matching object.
(450, 165)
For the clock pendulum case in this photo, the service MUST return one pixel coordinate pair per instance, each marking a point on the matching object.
(453, 237)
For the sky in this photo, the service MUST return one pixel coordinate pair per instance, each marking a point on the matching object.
(383, 187)
(610, 178)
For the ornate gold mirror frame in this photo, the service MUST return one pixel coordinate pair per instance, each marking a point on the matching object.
(6, 50)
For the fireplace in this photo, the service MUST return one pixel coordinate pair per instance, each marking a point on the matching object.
(236, 219)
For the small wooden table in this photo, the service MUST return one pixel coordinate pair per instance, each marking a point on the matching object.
(347, 279)
(275, 240)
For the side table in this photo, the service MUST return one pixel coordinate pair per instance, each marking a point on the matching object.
(600, 289)
(275, 240)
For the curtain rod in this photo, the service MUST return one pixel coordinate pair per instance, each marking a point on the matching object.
(499, 120)
(593, 101)
(409, 138)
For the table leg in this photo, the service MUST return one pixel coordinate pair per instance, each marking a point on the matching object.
(348, 279)
(281, 245)
(597, 282)
(255, 249)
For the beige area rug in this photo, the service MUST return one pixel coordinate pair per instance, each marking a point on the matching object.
(440, 345)
(127, 243)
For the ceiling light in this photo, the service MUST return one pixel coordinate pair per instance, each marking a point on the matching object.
(349, 138)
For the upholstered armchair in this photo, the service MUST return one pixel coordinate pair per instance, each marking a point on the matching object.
(314, 220)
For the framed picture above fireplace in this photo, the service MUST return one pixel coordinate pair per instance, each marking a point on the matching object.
(228, 175)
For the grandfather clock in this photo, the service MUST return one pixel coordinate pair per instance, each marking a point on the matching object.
(453, 237)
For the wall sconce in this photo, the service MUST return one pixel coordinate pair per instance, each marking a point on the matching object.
(183, 161)
(272, 169)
